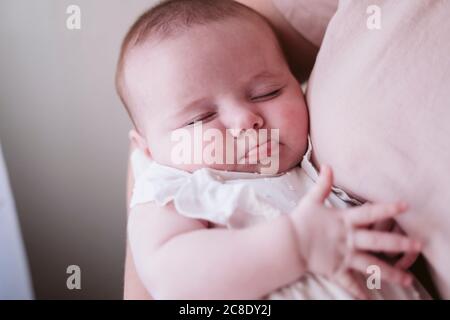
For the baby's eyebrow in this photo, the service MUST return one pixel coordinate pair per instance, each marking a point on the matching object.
(189, 107)
(264, 75)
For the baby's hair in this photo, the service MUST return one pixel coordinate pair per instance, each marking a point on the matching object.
(166, 20)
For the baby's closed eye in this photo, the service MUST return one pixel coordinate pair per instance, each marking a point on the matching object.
(203, 118)
(267, 96)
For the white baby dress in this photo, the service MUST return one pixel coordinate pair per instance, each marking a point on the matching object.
(238, 200)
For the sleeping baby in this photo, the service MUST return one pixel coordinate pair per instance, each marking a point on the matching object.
(226, 202)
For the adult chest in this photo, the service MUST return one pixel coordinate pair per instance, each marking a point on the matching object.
(380, 105)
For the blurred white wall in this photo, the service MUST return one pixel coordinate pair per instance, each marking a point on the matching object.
(64, 137)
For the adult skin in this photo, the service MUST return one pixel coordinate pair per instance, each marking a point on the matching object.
(379, 110)
(380, 149)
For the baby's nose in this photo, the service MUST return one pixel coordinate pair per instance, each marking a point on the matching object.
(245, 120)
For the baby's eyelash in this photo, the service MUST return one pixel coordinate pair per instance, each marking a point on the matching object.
(201, 118)
(271, 94)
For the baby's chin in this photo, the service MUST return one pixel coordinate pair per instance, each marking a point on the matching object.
(269, 167)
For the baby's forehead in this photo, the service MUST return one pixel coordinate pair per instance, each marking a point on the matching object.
(171, 69)
(231, 34)
(246, 25)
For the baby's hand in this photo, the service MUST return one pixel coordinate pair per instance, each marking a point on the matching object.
(404, 261)
(336, 243)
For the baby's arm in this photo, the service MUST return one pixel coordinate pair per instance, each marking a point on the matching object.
(179, 258)
(133, 289)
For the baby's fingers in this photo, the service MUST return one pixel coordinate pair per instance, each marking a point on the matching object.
(371, 213)
(407, 260)
(322, 188)
(384, 242)
(361, 261)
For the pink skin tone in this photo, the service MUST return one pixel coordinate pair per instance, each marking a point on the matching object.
(252, 91)
(215, 67)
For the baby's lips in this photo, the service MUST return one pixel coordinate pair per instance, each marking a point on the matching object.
(265, 147)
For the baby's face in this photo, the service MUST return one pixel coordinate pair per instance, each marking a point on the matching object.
(212, 78)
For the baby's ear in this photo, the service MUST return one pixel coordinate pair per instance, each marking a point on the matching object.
(139, 141)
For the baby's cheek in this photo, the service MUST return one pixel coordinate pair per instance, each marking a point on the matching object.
(293, 119)
(294, 128)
